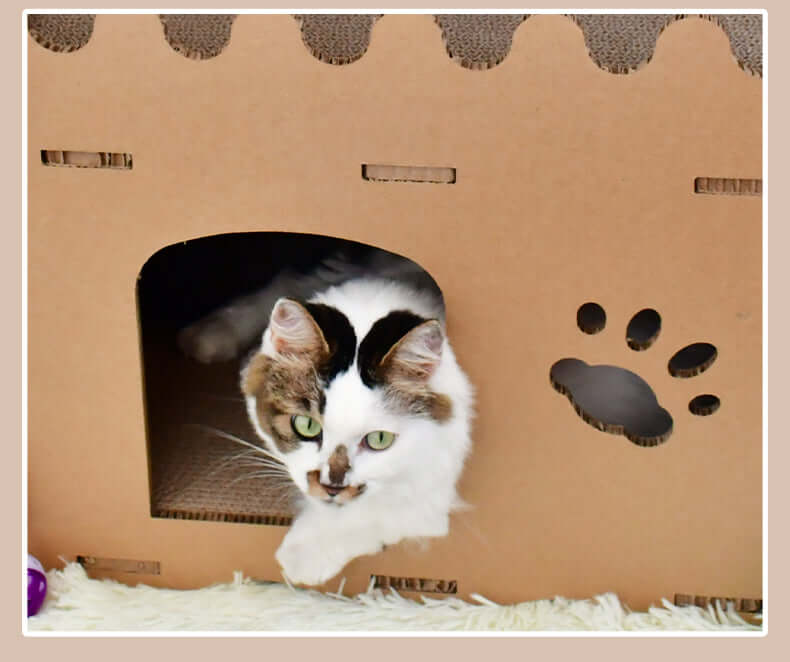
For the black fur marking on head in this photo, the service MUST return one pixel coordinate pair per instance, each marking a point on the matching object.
(339, 336)
(380, 339)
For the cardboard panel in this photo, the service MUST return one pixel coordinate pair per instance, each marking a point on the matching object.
(572, 185)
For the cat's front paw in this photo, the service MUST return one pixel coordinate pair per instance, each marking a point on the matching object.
(209, 340)
(308, 563)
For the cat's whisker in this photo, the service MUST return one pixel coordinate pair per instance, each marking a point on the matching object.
(250, 458)
(233, 460)
(260, 460)
(262, 474)
(254, 462)
(283, 484)
(273, 474)
(274, 481)
(247, 460)
(256, 457)
(231, 437)
(268, 471)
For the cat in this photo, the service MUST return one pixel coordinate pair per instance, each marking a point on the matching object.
(357, 392)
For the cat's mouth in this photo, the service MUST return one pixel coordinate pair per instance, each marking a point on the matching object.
(337, 494)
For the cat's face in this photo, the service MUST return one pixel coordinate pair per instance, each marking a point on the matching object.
(347, 418)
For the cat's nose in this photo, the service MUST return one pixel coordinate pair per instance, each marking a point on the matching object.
(338, 465)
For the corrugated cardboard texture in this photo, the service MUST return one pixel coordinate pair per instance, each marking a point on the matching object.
(618, 43)
(197, 470)
(478, 41)
(573, 185)
(61, 33)
(337, 38)
(621, 43)
(745, 32)
(197, 36)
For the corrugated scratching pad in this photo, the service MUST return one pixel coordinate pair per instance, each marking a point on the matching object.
(204, 465)
(197, 36)
(478, 41)
(745, 32)
(618, 43)
(621, 43)
(337, 38)
(61, 33)
(200, 475)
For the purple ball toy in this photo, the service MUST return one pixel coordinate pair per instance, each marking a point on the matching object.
(36, 585)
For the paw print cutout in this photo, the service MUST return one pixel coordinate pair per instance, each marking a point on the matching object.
(615, 400)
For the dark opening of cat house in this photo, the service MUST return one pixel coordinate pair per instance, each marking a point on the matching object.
(203, 462)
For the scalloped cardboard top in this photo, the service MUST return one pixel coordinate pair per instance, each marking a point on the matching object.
(619, 43)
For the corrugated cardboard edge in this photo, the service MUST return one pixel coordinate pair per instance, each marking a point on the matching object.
(617, 43)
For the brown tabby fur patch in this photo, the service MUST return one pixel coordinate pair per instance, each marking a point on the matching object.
(283, 387)
(418, 400)
(407, 388)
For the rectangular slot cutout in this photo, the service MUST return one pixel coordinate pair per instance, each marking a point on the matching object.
(416, 584)
(728, 186)
(71, 159)
(120, 565)
(419, 174)
(743, 605)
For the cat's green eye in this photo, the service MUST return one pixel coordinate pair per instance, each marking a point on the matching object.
(379, 440)
(305, 426)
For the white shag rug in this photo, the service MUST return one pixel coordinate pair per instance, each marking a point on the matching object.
(75, 602)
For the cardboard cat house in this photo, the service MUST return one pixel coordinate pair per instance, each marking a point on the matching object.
(586, 192)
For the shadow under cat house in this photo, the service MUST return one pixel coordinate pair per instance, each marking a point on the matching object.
(203, 306)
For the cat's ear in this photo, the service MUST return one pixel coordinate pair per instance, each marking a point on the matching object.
(416, 356)
(294, 331)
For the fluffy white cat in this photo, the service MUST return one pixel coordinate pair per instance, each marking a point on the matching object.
(357, 392)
